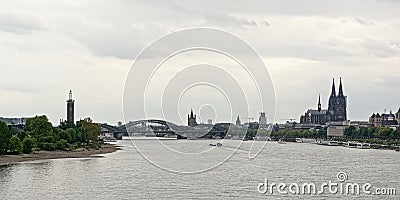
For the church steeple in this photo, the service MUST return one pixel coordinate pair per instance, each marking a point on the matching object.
(192, 119)
(238, 122)
(319, 103)
(333, 93)
(340, 88)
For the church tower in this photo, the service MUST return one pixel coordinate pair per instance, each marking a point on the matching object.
(332, 103)
(337, 109)
(341, 104)
(238, 122)
(70, 108)
(319, 103)
(192, 119)
(262, 120)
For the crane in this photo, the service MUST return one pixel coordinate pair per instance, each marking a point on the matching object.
(291, 119)
(249, 118)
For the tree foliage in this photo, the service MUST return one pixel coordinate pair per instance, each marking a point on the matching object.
(382, 133)
(5, 135)
(28, 144)
(15, 145)
(39, 133)
(297, 133)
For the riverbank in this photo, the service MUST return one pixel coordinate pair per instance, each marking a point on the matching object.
(42, 155)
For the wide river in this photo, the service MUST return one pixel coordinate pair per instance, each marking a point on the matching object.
(197, 170)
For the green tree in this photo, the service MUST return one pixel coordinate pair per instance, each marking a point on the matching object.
(350, 131)
(5, 135)
(69, 135)
(91, 131)
(39, 125)
(41, 129)
(21, 135)
(61, 144)
(28, 143)
(15, 145)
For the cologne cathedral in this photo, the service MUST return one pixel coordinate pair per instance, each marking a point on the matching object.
(336, 112)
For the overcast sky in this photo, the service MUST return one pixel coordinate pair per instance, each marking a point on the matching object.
(48, 47)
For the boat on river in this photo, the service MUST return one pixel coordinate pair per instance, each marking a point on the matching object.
(305, 140)
(363, 145)
(217, 145)
(350, 144)
(328, 143)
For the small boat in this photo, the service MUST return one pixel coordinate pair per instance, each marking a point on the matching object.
(350, 144)
(363, 145)
(305, 140)
(217, 145)
(333, 143)
(280, 141)
(262, 138)
(327, 143)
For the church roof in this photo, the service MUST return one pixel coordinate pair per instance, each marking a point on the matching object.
(317, 112)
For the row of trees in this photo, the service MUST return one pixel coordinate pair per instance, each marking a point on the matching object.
(382, 133)
(39, 133)
(294, 133)
(351, 132)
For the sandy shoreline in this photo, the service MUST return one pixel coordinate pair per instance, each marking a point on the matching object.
(42, 155)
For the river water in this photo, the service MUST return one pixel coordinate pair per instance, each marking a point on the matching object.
(203, 172)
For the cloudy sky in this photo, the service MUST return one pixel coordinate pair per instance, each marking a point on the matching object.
(48, 47)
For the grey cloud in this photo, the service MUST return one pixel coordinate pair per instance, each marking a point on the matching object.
(265, 23)
(228, 20)
(382, 48)
(17, 88)
(123, 41)
(342, 8)
(362, 21)
(388, 81)
(20, 24)
(361, 46)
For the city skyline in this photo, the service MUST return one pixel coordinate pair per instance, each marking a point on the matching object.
(45, 52)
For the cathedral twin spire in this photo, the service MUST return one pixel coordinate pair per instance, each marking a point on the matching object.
(333, 93)
(336, 112)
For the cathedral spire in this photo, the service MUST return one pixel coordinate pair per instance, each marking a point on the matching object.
(319, 103)
(333, 93)
(192, 119)
(340, 88)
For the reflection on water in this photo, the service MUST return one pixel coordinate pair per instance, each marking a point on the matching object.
(126, 174)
